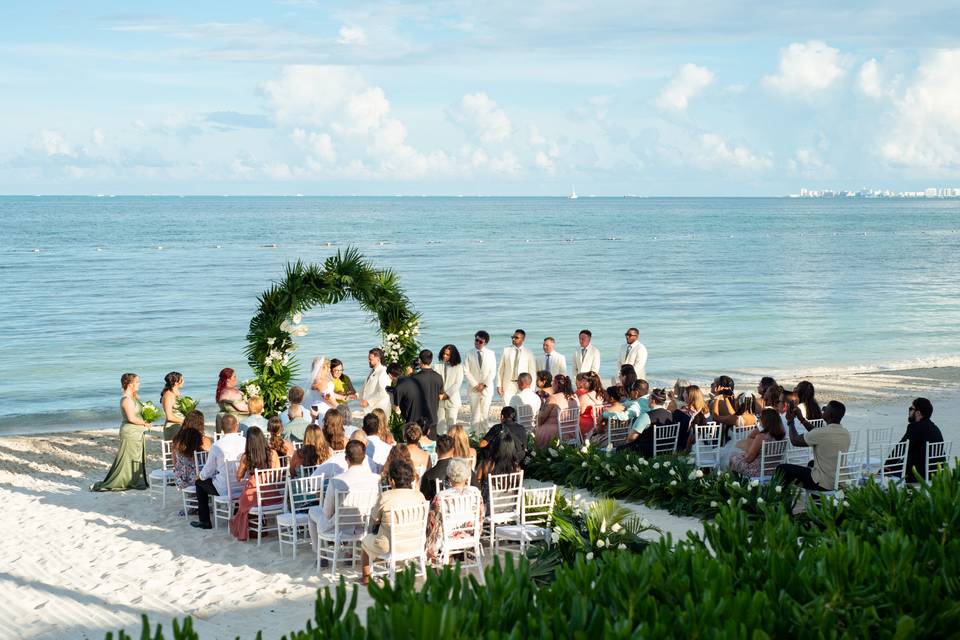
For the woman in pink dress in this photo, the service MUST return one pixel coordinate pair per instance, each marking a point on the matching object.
(257, 455)
(548, 420)
(590, 396)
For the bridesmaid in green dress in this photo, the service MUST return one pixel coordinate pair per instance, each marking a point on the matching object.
(129, 470)
(172, 384)
(229, 398)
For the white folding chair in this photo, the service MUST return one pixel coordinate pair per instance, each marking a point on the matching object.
(892, 465)
(877, 437)
(189, 494)
(536, 516)
(306, 470)
(461, 521)
(706, 448)
(816, 423)
(525, 417)
(292, 525)
(408, 540)
(163, 477)
(740, 432)
(617, 431)
(772, 454)
(849, 472)
(854, 440)
(270, 484)
(569, 426)
(797, 455)
(350, 519)
(297, 445)
(936, 457)
(504, 492)
(665, 438)
(284, 461)
(225, 505)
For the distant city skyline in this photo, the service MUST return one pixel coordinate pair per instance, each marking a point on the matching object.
(498, 98)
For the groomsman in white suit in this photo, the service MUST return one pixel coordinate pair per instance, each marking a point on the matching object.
(480, 372)
(374, 394)
(633, 353)
(587, 357)
(516, 359)
(551, 360)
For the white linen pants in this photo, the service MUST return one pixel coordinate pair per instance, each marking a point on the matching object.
(480, 409)
(448, 416)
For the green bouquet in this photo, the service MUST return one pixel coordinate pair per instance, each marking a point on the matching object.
(185, 404)
(150, 413)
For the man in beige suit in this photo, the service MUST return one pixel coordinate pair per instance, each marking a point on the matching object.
(401, 495)
(516, 359)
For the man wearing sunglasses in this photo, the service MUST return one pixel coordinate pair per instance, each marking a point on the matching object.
(633, 353)
(921, 431)
(516, 359)
(480, 372)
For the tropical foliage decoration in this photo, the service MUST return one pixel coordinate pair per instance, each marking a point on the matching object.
(279, 318)
(671, 482)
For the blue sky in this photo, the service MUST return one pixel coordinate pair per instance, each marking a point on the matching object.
(496, 98)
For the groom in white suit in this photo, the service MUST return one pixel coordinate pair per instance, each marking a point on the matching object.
(516, 359)
(480, 370)
(551, 360)
(587, 357)
(374, 394)
(633, 353)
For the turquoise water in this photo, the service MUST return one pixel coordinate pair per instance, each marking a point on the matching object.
(715, 285)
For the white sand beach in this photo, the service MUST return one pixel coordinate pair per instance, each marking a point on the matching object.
(78, 564)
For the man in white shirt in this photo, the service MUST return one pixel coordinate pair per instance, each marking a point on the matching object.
(377, 449)
(633, 353)
(357, 477)
(213, 476)
(525, 396)
(516, 359)
(551, 360)
(587, 357)
(480, 372)
(374, 394)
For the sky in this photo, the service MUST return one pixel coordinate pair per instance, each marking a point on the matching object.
(478, 98)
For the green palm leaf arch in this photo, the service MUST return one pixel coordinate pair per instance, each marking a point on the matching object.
(270, 339)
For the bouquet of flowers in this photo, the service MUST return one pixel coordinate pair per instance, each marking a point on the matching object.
(185, 404)
(150, 413)
(249, 388)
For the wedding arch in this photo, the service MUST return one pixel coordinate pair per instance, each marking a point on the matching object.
(270, 340)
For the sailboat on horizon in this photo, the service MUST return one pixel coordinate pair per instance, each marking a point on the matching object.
(573, 193)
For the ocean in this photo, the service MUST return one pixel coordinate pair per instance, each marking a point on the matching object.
(96, 286)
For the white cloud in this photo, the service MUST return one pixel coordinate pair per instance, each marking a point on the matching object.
(54, 143)
(319, 144)
(98, 137)
(311, 94)
(869, 79)
(715, 151)
(806, 68)
(687, 83)
(926, 130)
(482, 117)
(351, 35)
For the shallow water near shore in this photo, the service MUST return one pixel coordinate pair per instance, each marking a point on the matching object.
(99, 286)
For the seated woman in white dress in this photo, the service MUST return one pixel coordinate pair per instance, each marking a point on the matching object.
(319, 397)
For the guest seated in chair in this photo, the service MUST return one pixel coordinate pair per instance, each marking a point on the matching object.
(401, 495)
(458, 477)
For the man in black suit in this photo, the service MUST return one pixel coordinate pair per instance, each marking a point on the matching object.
(428, 484)
(418, 396)
(920, 432)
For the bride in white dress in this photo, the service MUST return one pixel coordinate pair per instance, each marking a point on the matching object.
(318, 396)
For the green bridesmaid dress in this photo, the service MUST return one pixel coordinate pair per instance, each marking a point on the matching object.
(227, 406)
(129, 470)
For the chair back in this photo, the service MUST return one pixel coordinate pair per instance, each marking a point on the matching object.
(525, 416)
(166, 454)
(596, 412)
(665, 438)
(461, 515)
(936, 457)
(353, 512)
(816, 423)
(854, 439)
(199, 460)
(504, 492)
(307, 470)
(569, 425)
(297, 445)
(271, 484)
(617, 431)
(772, 454)
(303, 493)
(706, 447)
(230, 477)
(797, 455)
(849, 468)
(878, 436)
(892, 459)
(408, 531)
(536, 508)
(284, 461)
(740, 432)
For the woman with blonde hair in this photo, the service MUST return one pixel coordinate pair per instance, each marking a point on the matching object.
(461, 445)
(692, 413)
(313, 452)
(384, 433)
(675, 395)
